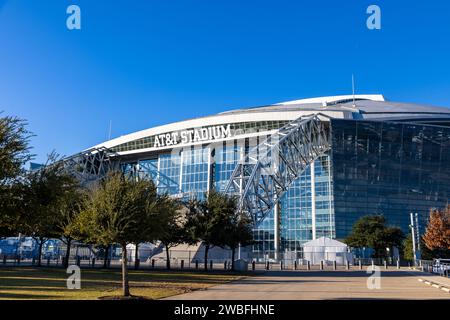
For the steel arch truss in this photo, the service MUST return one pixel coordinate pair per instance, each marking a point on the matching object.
(92, 164)
(268, 170)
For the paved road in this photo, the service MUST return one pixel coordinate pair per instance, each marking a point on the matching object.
(293, 285)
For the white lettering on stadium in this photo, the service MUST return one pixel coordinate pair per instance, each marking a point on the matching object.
(192, 136)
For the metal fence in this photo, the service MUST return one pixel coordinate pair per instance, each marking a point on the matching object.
(154, 257)
(183, 260)
(436, 266)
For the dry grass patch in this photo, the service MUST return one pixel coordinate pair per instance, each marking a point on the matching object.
(50, 283)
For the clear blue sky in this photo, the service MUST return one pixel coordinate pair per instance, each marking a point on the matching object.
(145, 63)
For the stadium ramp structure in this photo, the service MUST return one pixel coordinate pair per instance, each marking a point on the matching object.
(262, 177)
(92, 164)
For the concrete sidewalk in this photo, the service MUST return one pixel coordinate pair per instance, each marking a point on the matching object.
(433, 279)
(318, 285)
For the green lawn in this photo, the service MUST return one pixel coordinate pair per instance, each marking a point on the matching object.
(50, 283)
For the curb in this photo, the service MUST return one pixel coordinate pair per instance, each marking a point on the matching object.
(435, 285)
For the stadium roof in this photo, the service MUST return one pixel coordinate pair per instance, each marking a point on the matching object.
(361, 107)
(367, 106)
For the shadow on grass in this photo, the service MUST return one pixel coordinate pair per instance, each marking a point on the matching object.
(35, 283)
(12, 295)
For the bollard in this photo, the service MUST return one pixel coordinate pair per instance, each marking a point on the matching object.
(78, 261)
(153, 263)
(334, 265)
(409, 265)
(182, 264)
(373, 265)
(253, 265)
(210, 264)
(348, 265)
(295, 265)
(93, 262)
(360, 265)
(267, 265)
(281, 265)
(321, 264)
(225, 265)
(48, 262)
(196, 264)
(385, 265)
(398, 264)
(308, 265)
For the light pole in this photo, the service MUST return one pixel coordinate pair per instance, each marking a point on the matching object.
(413, 235)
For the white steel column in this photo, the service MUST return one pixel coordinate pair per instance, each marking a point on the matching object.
(330, 199)
(208, 150)
(158, 166)
(181, 171)
(276, 228)
(313, 200)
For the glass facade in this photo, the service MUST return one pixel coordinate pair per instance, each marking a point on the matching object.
(388, 168)
(225, 160)
(296, 213)
(306, 209)
(373, 168)
(324, 204)
(169, 166)
(193, 171)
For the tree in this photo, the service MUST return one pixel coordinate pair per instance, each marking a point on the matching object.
(70, 207)
(14, 148)
(174, 232)
(205, 220)
(237, 231)
(14, 153)
(11, 205)
(116, 211)
(371, 231)
(437, 233)
(407, 250)
(44, 192)
(149, 231)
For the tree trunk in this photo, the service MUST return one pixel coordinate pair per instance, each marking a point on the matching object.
(41, 243)
(168, 258)
(233, 252)
(105, 260)
(206, 256)
(136, 257)
(125, 285)
(66, 260)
